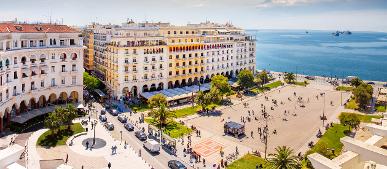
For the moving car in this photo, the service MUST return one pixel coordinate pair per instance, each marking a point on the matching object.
(371, 83)
(122, 118)
(310, 77)
(114, 112)
(140, 135)
(109, 126)
(152, 146)
(129, 126)
(174, 164)
(103, 118)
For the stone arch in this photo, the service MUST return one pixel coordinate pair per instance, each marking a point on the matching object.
(32, 103)
(63, 97)
(23, 106)
(52, 98)
(14, 110)
(63, 56)
(177, 84)
(189, 82)
(231, 73)
(207, 79)
(237, 72)
(170, 85)
(74, 96)
(183, 83)
(134, 91)
(201, 79)
(153, 87)
(42, 101)
(23, 60)
(196, 81)
(145, 88)
(161, 86)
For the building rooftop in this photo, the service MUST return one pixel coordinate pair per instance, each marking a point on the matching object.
(35, 28)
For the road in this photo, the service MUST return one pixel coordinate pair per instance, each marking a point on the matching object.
(158, 161)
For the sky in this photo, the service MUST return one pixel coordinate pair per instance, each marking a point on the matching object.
(354, 15)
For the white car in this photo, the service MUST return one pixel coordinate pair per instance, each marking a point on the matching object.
(152, 146)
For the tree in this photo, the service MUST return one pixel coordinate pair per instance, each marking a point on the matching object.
(246, 79)
(263, 76)
(258, 81)
(350, 120)
(206, 99)
(290, 77)
(53, 122)
(221, 83)
(91, 82)
(356, 82)
(162, 115)
(363, 95)
(157, 100)
(69, 114)
(284, 159)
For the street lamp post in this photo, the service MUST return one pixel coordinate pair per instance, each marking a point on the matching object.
(323, 116)
(121, 136)
(95, 126)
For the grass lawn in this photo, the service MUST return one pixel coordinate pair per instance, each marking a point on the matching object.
(248, 161)
(365, 118)
(352, 105)
(273, 85)
(173, 129)
(304, 83)
(140, 108)
(269, 86)
(331, 138)
(187, 111)
(380, 108)
(47, 139)
(344, 88)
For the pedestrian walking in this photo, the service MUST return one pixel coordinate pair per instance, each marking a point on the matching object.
(67, 158)
(87, 145)
(109, 165)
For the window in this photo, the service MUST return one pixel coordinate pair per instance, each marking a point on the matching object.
(170, 64)
(52, 68)
(61, 42)
(53, 82)
(74, 68)
(33, 86)
(14, 91)
(72, 42)
(23, 87)
(126, 51)
(74, 80)
(170, 73)
(63, 80)
(126, 60)
(126, 69)
(15, 75)
(134, 60)
(15, 60)
(53, 56)
(145, 76)
(42, 83)
(161, 66)
(1, 97)
(170, 56)
(63, 68)
(134, 68)
(7, 94)
(41, 43)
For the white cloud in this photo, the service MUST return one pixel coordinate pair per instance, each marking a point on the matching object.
(273, 3)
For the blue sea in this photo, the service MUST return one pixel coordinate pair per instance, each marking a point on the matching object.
(362, 54)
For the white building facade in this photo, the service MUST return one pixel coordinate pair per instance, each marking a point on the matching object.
(40, 65)
(144, 57)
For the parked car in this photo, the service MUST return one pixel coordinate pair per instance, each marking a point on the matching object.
(310, 77)
(174, 164)
(109, 126)
(103, 111)
(129, 126)
(152, 146)
(103, 118)
(122, 118)
(140, 135)
(371, 83)
(114, 112)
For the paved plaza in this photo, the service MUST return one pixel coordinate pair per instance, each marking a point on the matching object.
(293, 128)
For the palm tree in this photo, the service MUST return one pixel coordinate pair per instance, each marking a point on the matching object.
(290, 77)
(162, 115)
(284, 159)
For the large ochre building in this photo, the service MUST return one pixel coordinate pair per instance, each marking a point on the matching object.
(134, 58)
(41, 65)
